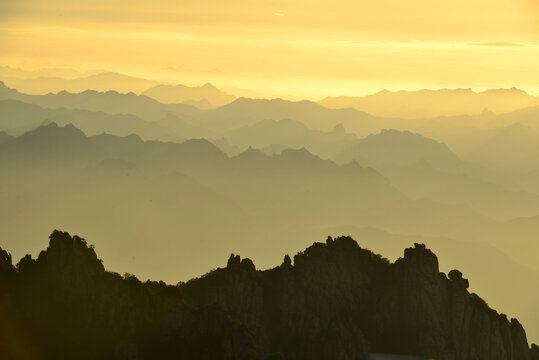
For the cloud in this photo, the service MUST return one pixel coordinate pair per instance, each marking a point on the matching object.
(497, 43)
(278, 14)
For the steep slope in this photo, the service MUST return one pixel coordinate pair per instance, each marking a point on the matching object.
(335, 301)
(408, 307)
(63, 305)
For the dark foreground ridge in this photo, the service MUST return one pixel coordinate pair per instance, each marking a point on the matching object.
(336, 301)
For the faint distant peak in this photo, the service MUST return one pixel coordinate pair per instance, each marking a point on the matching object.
(339, 129)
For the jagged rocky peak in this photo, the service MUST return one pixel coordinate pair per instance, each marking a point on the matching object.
(68, 258)
(335, 301)
(421, 257)
(235, 262)
(455, 276)
(6, 264)
(287, 262)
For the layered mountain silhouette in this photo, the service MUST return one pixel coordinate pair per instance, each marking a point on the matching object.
(291, 134)
(424, 168)
(18, 117)
(265, 177)
(110, 102)
(186, 198)
(244, 112)
(334, 300)
(294, 187)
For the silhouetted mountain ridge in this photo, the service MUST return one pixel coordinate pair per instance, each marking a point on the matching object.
(334, 301)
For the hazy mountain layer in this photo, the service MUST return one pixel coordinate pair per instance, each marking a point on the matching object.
(291, 134)
(190, 197)
(203, 97)
(335, 301)
(110, 102)
(55, 82)
(424, 168)
(433, 103)
(18, 117)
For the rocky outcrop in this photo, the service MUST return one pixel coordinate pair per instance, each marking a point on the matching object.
(64, 305)
(333, 301)
(338, 301)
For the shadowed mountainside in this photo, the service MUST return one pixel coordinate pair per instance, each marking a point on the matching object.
(335, 301)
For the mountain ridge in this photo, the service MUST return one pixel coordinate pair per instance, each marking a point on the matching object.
(286, 309)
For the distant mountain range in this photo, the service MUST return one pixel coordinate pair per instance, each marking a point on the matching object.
(399, 148)
(294, 187)
(434, 103)
(100, 81)
(291, 134)
(424, 168)
(202, 97)
(110, 102)
(18, 117)
(107, 185)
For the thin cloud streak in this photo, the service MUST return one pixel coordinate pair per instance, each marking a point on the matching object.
(497, 44)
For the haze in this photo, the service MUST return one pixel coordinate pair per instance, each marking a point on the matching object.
(316, 48)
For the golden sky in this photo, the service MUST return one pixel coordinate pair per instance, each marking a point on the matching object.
(307, 48)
